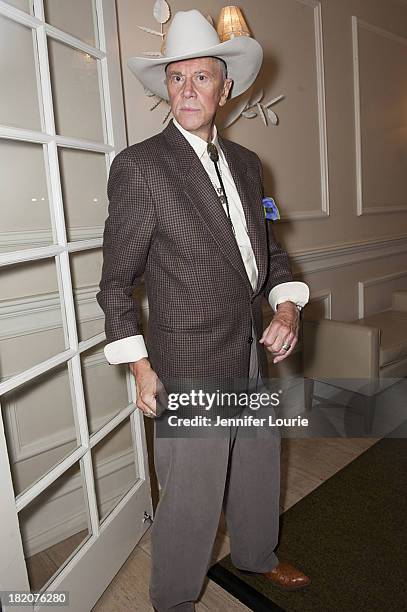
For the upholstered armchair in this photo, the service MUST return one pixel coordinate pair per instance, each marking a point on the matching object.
(364, 356)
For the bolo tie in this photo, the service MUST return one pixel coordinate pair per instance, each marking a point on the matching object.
(221, 191)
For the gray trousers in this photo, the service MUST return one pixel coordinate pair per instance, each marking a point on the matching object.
(199, 477)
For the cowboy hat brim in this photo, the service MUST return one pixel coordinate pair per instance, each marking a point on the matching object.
(243, 56)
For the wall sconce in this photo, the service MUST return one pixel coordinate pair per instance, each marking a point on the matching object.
(231, 23)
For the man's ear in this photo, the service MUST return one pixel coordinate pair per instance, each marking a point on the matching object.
(228, 86)
(165, 74)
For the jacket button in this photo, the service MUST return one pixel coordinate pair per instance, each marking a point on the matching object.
(250, 339)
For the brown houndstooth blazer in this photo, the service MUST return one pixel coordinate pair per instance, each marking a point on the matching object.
(165, 222)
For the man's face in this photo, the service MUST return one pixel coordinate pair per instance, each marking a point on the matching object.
(196, 89)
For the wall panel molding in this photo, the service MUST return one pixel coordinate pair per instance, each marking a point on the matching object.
(20, 450)
(42, 312)
(377, 280)
(33, 313)
(48, 529)
(27, 238)
(322, 123)
(362, 209)
(325, 297)
(331, 257)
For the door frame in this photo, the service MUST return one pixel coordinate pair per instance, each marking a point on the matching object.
(90, 568)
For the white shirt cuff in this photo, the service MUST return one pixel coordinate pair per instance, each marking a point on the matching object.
(126, 350)
(293, 291)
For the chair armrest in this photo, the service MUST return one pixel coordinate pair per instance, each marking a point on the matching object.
(399, 300)
(338, 349)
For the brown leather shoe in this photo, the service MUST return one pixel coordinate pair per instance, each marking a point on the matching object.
(287, 576)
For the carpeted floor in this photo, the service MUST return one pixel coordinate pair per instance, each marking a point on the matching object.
(349, 535)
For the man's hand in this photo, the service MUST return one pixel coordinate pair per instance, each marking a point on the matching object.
(282, 330)
(147, 383)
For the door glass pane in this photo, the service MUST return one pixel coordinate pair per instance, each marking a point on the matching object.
(86, 270)
(39, 426)
(54, 526)
(19, 105)
(75, 17)
(76, 92)
(114, 468)
(84, 180)
(104, 386)
(23, 5)
(31, 327)
(25, 220)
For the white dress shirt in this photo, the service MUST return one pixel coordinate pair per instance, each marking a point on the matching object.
(133, 348)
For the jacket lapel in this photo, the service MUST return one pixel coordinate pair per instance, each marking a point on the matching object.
(203, 197)
(252, 207)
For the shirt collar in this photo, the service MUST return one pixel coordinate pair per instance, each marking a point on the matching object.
(198, 143)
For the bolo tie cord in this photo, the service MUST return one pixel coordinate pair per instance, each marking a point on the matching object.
(214, 156)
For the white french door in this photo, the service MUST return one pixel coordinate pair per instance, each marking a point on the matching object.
(75, 491)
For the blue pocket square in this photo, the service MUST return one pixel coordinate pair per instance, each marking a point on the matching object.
(270, 209)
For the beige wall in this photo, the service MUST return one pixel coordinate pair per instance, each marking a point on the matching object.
(299, 156)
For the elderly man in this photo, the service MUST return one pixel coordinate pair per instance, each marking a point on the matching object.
(185, 212)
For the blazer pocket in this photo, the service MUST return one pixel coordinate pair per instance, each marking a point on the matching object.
(184, 330)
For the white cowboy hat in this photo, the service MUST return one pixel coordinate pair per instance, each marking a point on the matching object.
(190, 35)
